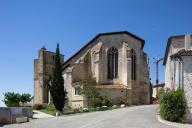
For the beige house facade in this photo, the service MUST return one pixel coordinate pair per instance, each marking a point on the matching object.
(116, 60)
(178, 66)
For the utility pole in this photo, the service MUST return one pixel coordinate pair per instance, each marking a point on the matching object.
(157, 68)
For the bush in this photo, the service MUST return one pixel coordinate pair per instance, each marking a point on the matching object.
(103, 108)
(101, 101)
(39, 106)
(105, 101)
(173, 105)
(77, 110)
(92, 109)
(51, 108)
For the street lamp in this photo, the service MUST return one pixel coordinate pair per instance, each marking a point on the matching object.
(157, 60)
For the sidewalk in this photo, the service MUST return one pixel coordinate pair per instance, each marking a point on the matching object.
(39, 115)
(177, 125)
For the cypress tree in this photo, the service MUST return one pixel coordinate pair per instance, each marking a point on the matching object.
(56, 85)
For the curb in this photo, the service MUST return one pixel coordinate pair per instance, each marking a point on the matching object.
(177, 125)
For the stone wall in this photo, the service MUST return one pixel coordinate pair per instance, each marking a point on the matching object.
(138, 90)
(187, 70)
(43, 69)
(8, 115)
(116, 95)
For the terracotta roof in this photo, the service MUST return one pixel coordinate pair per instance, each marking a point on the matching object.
(103, 34)
(112, 86)
(182, 52)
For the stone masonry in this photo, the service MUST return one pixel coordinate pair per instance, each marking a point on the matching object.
(92, 61)
(42, 70)
(77, 67)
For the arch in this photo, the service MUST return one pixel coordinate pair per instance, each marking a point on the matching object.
(112, 57)
(133, 65)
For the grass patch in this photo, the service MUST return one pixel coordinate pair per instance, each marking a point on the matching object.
(48, 112)
(48, 109)
(51, 110)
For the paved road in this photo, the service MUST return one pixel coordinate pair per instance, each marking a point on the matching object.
(39, 115)
(132, 117)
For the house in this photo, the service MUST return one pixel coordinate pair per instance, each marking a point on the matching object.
(178, 65)
(156, 88)
(118, 63)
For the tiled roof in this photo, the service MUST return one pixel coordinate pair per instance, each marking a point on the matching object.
(182, 52)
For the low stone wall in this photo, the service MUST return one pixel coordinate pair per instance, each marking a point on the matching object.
(8, 115)
(115, 95)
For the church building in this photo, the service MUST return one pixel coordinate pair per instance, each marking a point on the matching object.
(118, 63)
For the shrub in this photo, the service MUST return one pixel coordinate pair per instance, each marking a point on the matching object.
(105, 101)
(101, 101)
(103, 108)
(173, 105)
(77, 110)
(51, 108)
(92, 109)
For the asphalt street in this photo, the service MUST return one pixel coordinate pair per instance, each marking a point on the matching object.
(130, 117)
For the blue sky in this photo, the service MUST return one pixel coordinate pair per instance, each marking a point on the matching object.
(26, 26)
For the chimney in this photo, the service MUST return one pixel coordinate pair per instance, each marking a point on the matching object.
(187, 42)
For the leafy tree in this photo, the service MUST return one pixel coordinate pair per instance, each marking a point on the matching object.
(25, 97)
(11, 99)
(56, 84)
(88, 88)
(90, 91)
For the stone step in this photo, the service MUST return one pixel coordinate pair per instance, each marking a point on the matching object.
(21, 119)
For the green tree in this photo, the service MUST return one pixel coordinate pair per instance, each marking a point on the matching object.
(56, 84)
(11, 99)
(90, 91)
(25, 97)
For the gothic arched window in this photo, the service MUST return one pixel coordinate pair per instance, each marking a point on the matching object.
(112, 63)
(133, 65)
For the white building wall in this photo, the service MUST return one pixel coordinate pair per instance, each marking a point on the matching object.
(168, 73)
(187, 68)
